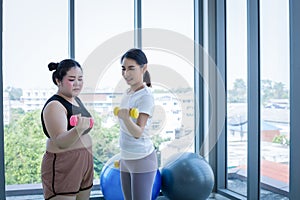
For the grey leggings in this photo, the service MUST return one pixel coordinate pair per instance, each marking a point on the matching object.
(137, 177)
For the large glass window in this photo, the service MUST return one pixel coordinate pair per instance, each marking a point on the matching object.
(236, 95)
(35, 33)
(274, 91)
(275, 70)
(167, 38)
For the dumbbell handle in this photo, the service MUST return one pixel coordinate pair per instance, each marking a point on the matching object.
(117, 164)
(133, 112)
(74, 121)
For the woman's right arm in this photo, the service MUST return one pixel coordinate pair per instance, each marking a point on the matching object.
(56, 122)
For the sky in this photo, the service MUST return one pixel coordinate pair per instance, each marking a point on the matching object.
(274, 38)
(35, 33)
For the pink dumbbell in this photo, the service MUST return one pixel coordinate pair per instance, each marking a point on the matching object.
(74, 121)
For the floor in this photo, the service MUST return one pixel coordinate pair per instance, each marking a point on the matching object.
(38, 197)
(212, 197)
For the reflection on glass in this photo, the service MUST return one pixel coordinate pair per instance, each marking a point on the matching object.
(237, 95)
(274, 99)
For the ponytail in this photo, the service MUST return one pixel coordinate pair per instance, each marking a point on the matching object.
(147, 79)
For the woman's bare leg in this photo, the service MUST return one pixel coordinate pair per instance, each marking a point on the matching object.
(84, 195)
(64, 197)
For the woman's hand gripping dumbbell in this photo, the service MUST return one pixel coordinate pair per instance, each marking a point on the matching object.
(74, 121)
(133, 112)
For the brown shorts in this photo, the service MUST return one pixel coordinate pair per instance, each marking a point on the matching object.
(67, 173)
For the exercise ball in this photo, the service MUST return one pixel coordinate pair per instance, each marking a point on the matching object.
(110, 182)
(187, 176)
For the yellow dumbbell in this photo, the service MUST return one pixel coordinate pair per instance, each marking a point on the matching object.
(133, 112)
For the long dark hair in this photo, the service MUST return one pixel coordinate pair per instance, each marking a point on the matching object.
(139, 56)
(61, 68)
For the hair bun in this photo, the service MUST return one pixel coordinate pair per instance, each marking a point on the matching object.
(52, 66)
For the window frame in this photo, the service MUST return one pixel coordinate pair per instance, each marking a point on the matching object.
(294, 191)
(2, 164)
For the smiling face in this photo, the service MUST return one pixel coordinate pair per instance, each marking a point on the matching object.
(72, 83)
(133, 73)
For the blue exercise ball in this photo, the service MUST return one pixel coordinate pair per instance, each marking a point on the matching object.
(110, 182)
(187, 176)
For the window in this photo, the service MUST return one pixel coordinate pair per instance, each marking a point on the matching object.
(172, 71)
(236, 20)
(98, 22)
(275, 110)
(103, 32)
(273, 50)
(33, 36)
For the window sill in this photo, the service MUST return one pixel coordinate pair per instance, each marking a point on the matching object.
(35, 192)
